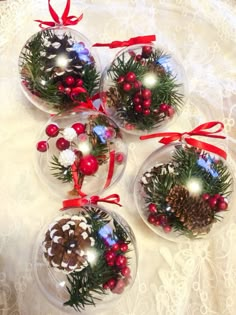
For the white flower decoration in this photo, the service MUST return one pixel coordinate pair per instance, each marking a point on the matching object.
(67, 157)
(69, 134)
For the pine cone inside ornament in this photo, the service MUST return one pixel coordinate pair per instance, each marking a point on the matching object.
(113, 97)
(66, 243)
(192, 211)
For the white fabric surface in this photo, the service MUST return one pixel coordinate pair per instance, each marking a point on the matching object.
(192, 278)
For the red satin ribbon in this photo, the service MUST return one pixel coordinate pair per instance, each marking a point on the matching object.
(132, 41)
(110, 169)
(202, 130)
(75, 177)
(64, 20)
(78, 202)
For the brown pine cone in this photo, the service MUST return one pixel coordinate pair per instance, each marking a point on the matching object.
(66, 243)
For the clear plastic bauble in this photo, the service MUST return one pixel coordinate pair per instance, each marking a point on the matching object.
(85, 258)
(80, 153)
(57, 69)
(182, 192)
(143, 88)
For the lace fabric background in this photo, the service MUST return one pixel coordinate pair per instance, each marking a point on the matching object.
(191, 278)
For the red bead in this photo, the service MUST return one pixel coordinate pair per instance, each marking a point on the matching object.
(138, 108)
(137, 85)
(130, 77)
(137, 100)
(42, 146)
(146, 94)
(52, 130)
(212, 201)
(205, 196)
(88, 165)
(110, 255)
(70, 80)
(152, 208)
(127, 87)
(60, 88)
(121, 79)
(67, 90)
(138, 57)
(151, 218)
(147, 103)
(125, 271)
(170, 111)
(111, 283)
(79, 82)
(79, 128)
(163, 107)
(62, 144)
(164, 220)
(167, 228)
(119, 157)
(146, 112)
(222, 205)
(121, 261)
(123, 247)
(115, 247)
(146, 51)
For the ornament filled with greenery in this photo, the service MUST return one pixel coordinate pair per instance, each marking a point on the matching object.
(58, 70)
(94, 253)
(143, 88)
(83, 153)
(184, 191)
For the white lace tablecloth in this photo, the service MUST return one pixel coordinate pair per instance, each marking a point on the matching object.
(191, 278)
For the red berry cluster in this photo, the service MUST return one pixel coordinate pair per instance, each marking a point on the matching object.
(52, 131)
(167, 109)
(115, 257)
(145, 54)
(216, 202)
(129, 82)
(142, 101)
(68, 84)
(158, 219)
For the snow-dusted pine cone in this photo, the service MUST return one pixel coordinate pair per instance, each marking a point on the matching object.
(66, 243)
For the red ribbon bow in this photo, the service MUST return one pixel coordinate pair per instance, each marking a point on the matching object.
(64, 20)
(132, 41)
(202, 130)
(78, 202)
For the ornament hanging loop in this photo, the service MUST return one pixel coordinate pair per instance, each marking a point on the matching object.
(59, 21)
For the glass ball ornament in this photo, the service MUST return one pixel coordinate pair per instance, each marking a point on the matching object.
(85, 259)
(143, 88)
(58, 69)
(80, 153)
(183, 192)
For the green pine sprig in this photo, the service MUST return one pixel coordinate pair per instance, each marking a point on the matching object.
(61, 172)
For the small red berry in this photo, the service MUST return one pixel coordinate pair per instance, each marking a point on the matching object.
(205, 196)
(121, 261)
(138, 108)
(146, 51)
(151, 218)
(125, 271)
(119, 157)
(167, 228)
(123, 247)
(222, 205)
(111, 283)
(127, 87)
(79, 128)
(164, 220)
(170, 111)
(146, 112)
(110, 255)
(70, 80)
(115, 247)
(217, 196)
(60, 88)
(138, 57)
(105, 286)
(130, 77)
(52, 130)
(67, 90)
(212, 201)
(79, 82)
(152, 208)
(137, 100)
(88, 165)
(146, 94)
(121, 79)
(42, 146)
(62, 144)
(163, 107)
(129, 126)
(147, 103)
